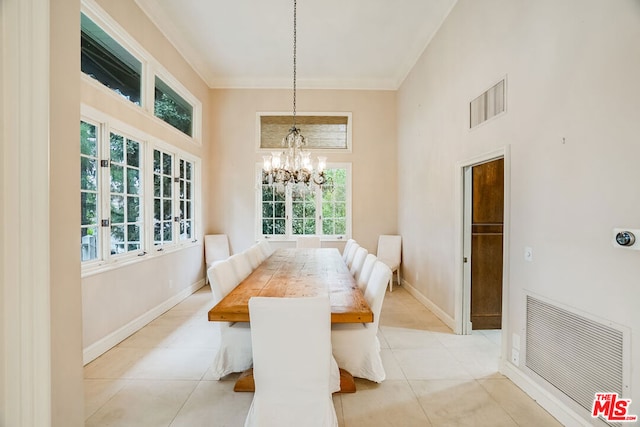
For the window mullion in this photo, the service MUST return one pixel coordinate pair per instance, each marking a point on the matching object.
(289, 211)
(104, 192)
(176, 199)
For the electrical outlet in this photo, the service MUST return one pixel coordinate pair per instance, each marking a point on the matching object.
(528, 254)
(515, 357)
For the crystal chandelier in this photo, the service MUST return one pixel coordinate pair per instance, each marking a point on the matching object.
(294, 164)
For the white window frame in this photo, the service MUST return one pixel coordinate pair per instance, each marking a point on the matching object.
(289, 236)
(105, 126)
(150, 69)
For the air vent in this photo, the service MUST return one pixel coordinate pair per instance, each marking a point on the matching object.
(578, 356)
(488, 105)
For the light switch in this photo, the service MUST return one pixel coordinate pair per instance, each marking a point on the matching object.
(528, 254)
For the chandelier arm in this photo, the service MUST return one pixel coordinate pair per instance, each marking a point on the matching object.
(295, 9)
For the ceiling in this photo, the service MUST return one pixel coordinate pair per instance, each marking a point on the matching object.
(342, 44)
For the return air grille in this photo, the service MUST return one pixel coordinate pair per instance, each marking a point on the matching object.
(576, 355)
(488, 105)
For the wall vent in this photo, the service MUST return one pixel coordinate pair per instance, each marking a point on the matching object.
(488, 105)
(576, 355)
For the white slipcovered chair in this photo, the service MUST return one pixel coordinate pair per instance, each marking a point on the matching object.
(308, 242)
(234, 354)
(216, 248)
(255, 256)
(351, 254)
(356, 347)
(389, 252)
(266, 248)
(347, 246)
(362, 276)
(241, 265)
(292, 362)
(358, 260)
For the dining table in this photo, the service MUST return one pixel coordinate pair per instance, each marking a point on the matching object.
(298, 273)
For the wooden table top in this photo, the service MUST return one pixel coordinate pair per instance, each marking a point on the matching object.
(298, 273)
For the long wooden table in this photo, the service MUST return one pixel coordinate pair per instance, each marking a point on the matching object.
(298, 273)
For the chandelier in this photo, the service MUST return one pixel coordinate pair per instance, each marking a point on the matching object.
(293, 165)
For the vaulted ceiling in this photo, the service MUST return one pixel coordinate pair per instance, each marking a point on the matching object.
(341, 44)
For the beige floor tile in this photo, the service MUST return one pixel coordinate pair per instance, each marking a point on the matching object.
(460, 403)
(392, 403)
(98, 392)
(408, 338)
(172, 363)
(143, 403)
(391, 366)
(430, 364)
(116, 363)
(214, 403)
(524, 410)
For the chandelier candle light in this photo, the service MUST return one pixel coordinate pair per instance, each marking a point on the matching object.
(293, 165)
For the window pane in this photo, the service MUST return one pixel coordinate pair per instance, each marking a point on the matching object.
(117, 209)
(166, 186)
(168, 231)
(133, 209)
(88, 173)
(172, 108)
(117, 148)
(107, 61)
(133, 181)
(133, 153)
(167, 164)
(117, 181)
(88, 140)
(157, 166)
(89, 208)
(89, 245)
(167, 211)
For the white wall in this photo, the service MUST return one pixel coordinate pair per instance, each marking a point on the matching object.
(572, 126)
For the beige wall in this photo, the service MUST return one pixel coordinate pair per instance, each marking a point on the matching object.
(572, 127)
(234, 155)
(118, 301)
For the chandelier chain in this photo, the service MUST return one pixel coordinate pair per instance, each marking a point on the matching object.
(294, 60)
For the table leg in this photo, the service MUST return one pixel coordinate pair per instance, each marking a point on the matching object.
(245, 382)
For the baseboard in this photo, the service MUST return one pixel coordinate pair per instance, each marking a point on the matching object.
(446, 319)
(559, 410)
(102, 346)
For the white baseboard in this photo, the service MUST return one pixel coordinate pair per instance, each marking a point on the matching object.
(102, 346)
(559, 410)
(448, 320)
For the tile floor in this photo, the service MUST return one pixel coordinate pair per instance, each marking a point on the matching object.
(159, 376)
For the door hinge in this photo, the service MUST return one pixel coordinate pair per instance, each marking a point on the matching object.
(465, 260)
(104, 163)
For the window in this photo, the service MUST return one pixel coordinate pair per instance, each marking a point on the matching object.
(125, 194)
(172, 108)
(162, 198)
(108, 62)
(89, 184)
(284, 213)
(118, 180)
(330, 131)
(114, 59)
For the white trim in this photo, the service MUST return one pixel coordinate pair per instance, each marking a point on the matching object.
(100, 347)
(347, 114)
(440, 314)
(554, 406)
(25, 252)
(460, 303)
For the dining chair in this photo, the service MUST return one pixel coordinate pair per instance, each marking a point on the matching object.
(362, 276)
(255, 256)
(351, 254)
(347, 246)
(358, 260)
(308, 242)
(266, 248)
(356, 347)
(292, 362)
(241, 264)
(389, 252)
(234, 354)
(216, 248)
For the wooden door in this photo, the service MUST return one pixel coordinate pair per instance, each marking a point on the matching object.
(486, 245)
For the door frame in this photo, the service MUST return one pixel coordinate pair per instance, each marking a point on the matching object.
(462, 310)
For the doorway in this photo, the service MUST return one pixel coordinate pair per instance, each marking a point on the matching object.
(483, 244)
